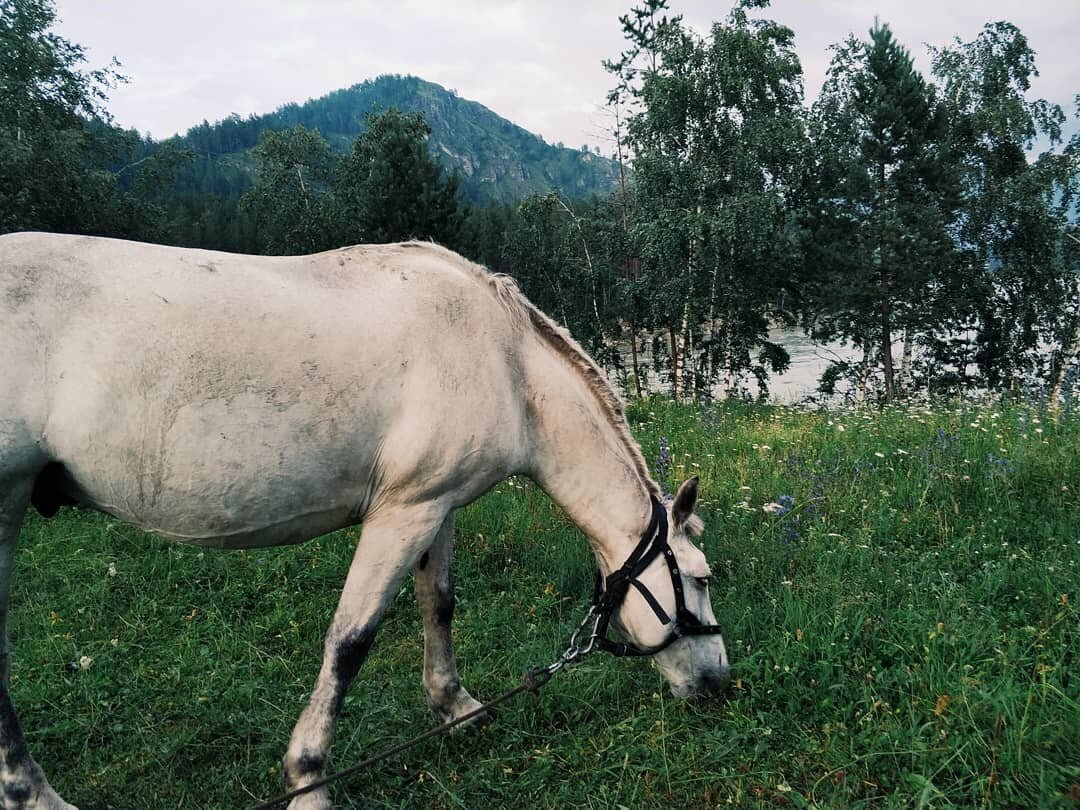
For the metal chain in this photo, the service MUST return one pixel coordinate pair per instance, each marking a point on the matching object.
(533, 680)
(573, 652)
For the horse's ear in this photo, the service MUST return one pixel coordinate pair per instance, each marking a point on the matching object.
(683, 508)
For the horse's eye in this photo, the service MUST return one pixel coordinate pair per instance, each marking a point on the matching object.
(702, 581)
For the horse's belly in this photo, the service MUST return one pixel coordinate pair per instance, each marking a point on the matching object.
(233, 472)
(287, 532)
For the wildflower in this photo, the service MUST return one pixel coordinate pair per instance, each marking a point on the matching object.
(85, 662)
(1000, 467)
(112, 569)
(663, 460)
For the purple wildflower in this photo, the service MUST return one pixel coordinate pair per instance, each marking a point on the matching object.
(663, 461)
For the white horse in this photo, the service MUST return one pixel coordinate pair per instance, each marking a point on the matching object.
(240, 401)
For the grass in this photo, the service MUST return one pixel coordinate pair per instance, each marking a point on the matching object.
(903, 633)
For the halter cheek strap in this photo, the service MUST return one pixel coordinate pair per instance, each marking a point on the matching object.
(611, 592)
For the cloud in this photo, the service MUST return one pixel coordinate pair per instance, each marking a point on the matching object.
(536, 63)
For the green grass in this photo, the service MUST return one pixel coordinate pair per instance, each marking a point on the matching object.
(906, 636)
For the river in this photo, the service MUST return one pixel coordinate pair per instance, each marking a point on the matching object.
(808, 361)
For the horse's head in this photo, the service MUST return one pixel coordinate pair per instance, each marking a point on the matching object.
(667, 612)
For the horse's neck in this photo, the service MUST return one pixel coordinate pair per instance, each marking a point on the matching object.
(581, 461)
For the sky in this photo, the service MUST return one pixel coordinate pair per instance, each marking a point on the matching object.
(535, 62)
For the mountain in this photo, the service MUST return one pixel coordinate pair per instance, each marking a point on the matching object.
(496, 159)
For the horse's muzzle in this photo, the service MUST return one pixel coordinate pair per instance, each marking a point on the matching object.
(710, 682)
(715, 680)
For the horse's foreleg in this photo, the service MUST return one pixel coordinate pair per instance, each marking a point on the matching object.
(435, 592)
(391, 542)
(23, 785)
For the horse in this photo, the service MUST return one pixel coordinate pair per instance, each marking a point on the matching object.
(242, 401)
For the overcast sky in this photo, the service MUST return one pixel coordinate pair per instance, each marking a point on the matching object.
(536, 62)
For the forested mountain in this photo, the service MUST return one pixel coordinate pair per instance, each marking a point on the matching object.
(497, 160)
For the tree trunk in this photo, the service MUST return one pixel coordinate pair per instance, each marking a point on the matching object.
(685, 351)
(629, 267)
(864, 375)
(905, 362)
(886, 346)
(711, 365)
(634, 358)
(1067, 359)
(886, 304)
(674, 363)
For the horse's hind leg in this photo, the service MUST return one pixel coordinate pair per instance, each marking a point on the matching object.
(22, 783)
(391, 542)
(435, 593)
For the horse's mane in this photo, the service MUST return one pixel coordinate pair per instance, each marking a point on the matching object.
(521, 309)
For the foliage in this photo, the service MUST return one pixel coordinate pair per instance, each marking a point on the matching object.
(293, 200)
(877, 202)
(1014, 288)
(388, 189)
(567, 260)
(902, 629)
(58, 154)
(715, 132)
(893, 212)
(392, 189)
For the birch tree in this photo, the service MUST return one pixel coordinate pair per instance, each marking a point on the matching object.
(714, 132)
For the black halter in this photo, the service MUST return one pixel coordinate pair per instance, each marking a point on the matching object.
(611, 592)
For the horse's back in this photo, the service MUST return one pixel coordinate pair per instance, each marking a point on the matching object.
(211, 395)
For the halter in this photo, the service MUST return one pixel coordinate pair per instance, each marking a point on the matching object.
(611, 592)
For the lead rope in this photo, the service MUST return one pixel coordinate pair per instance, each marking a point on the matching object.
(533, 680)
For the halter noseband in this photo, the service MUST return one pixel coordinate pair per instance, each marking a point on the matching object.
(611, 592)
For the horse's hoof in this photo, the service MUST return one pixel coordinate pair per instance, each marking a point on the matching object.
(460, 706)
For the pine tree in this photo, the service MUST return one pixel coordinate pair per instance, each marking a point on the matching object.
(391, 187)
(877, 203)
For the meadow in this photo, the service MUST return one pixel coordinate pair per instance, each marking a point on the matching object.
(898, 590)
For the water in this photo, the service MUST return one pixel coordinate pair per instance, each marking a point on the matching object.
(808, 361)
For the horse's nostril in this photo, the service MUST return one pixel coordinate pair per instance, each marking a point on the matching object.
(716, 680)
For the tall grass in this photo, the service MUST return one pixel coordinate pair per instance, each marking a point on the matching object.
(898, 591)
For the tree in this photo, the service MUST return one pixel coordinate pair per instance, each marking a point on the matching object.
(1015, 288)
(44, 181)
(876, 204)
(391, 187)
(714, 131)
(566, 259)
(63, 166)
(293, 200)
(483, 235)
